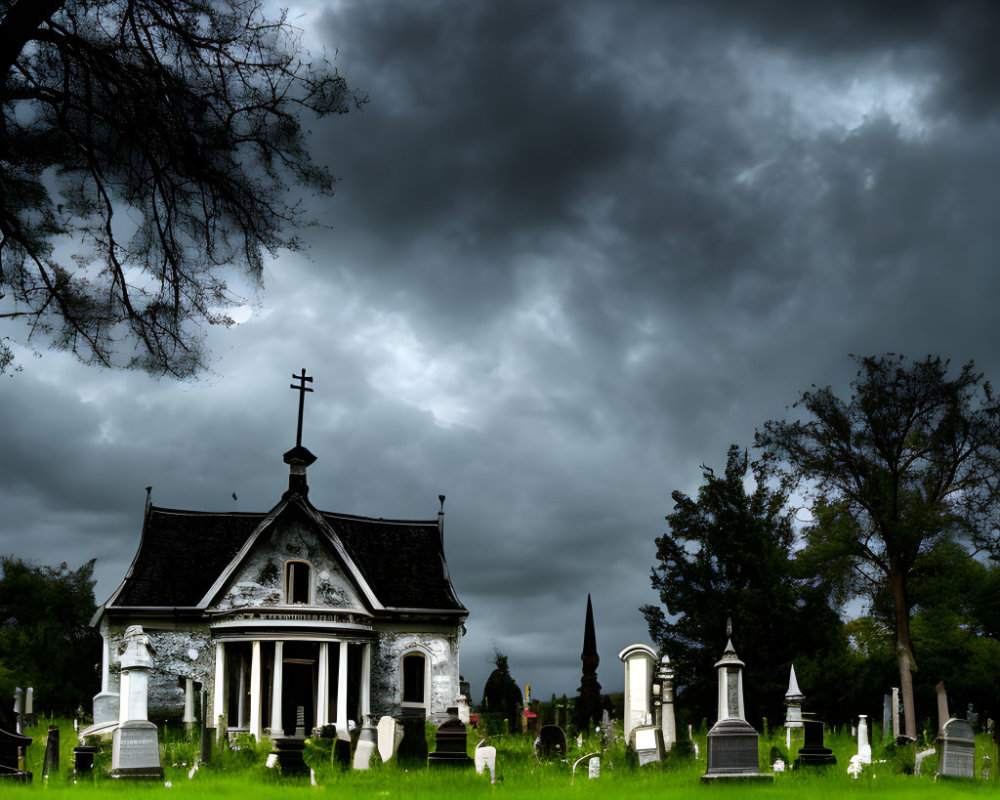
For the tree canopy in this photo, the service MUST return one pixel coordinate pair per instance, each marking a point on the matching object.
(46, 640)
(727, 555)
(146, 146)
(908, 462)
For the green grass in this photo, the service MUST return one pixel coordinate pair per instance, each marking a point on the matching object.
(241, 776)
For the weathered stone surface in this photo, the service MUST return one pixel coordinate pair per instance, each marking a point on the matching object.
(135, 752)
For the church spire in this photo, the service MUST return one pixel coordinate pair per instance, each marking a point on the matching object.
(588, 701)
(299, 457)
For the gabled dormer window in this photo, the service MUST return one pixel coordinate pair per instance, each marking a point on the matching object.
(298, 583)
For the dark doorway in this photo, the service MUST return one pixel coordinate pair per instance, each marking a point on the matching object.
(298, 686)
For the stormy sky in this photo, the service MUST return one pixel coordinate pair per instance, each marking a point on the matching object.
(577, 249)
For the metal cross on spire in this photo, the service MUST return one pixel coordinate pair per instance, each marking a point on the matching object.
(301, 389)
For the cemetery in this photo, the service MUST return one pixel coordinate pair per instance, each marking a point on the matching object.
(263, 654)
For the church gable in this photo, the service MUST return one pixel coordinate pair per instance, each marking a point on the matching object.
(289, 564)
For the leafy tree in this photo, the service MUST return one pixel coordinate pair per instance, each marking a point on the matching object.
(160, 138)
(501, 693)
(46, 640)
(728, 554)
(910, 459)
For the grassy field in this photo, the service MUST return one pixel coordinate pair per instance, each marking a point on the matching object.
(242, 775)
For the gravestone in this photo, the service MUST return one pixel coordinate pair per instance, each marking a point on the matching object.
(388, 740)
(594, 767)
(13, 747)
(607, 729)
(665, 690)
(486, 758)
(451, 746)
(639, 661)
(793, 710)
(895, 713)
(813, 752)
(886, 717)
(412, 747)
(83, 758)
(288, 752)
(732, 741)
(50, 762)
(135, 749)
(864, 746)
(957, 750)
(551, 743)
(367, 739)
(19, 710)
(648, 744)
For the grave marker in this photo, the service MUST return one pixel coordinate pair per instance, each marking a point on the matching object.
(732, 741)
(13, 747)
(135, 751)
(451, 743)
(957, 750)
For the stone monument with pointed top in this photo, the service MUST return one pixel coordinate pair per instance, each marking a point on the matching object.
(793, 709)
(732, 741)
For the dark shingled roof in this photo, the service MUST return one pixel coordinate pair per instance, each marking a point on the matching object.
(183, 553)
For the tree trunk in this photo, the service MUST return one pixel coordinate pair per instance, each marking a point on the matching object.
(18, 26)
(904, 650)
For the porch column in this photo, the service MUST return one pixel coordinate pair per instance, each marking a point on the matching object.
(276, 685)
(106, 664)
(366, 668)
(323, 689)
(342, 732)
(255, 691)
(219, 703)
(189, 719)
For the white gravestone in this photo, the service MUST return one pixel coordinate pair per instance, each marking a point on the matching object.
(647, 745)
(639, 661)
(387, 740)
(135, 749)
(864, 746)
(366, 746)
(486, 758)
(594, 767)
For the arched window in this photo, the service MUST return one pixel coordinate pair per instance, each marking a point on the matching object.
(414, 679)
(298, 583)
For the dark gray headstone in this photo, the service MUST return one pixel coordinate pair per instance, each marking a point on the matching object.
(289, 751)
(13, 747)
(551, 743)
(957, 750)
(135, 751)
(732, 750)
(451, 746)
(813, 752)
(50, 763)
(83, 758)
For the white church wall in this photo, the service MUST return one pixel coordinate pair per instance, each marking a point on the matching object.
(440, 645)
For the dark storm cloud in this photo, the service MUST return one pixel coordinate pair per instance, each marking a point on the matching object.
(577, 250)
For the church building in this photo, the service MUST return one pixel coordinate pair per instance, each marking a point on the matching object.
(287, 620)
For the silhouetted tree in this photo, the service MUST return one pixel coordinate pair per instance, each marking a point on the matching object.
(46, 640)
(727, 554)
(501, 694)
(910, 459)
(160, 138)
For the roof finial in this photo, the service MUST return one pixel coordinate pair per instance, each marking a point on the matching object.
(301, 389)
(729, 627)
(298, 458)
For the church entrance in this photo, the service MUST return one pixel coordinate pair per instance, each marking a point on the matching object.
(298, 688)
